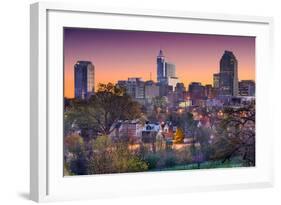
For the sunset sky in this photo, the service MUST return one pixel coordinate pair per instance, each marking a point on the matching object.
(118, 54)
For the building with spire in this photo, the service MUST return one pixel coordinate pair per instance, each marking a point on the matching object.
(161, 67)
(166, 71)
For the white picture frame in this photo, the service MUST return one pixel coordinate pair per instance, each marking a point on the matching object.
(46, 177)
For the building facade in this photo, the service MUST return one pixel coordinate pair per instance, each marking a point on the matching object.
(166, 72)
(161, 67)
(152, 90)
(84, 79)
(128, 130)
(196, 92)
(247, 88)
(228, 78)
(170, 70)
(209, 91)
(216, 81)
(135, 87)
(180, 91)
(172, 81)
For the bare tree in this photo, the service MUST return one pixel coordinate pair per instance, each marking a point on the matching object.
(236, 135)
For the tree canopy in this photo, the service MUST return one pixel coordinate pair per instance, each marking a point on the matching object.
(109, 104)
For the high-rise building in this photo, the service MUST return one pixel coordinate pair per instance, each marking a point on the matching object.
(216, 84)
(180, 91)
(196, 91)
(84, 79)
(170, 70)
(166, 72)
(134, 87)
(209, 91)
(164, 89)
(151, 90)
(228, 78)
(247, 88)
(216, 80)
(172, 81)
(161, 67)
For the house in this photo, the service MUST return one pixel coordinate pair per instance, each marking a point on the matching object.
(128, 130)
(149, 132)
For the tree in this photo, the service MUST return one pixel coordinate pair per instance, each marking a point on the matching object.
(109, 104)
(236, 135)
(79, 164)
(101, 161)
(73, 143)
(111, 157)
(159, 103)
(203, 136)
(179, 136)
(184, 120)
(114, 105)
(79, 116)
(75, 158)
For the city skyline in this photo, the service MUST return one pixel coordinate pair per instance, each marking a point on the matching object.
(118, 55)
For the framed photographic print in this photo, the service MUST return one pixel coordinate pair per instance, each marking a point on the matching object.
(127, 102)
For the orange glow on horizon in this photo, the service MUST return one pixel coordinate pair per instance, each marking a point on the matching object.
(102, 76)
(118, 55)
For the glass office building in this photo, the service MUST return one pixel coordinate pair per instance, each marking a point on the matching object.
(84, 79)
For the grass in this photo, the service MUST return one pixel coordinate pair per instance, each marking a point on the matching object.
(203, 165)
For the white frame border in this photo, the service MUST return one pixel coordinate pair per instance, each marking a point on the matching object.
(39, 82)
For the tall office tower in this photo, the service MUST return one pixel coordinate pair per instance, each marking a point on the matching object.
(228, 79)
(161, 67)
(166, 72)
(247, 88)
(84, 79)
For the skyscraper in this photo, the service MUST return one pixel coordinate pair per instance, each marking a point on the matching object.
(166, 72)
(228, 78)
(84, 79)
(161, 67)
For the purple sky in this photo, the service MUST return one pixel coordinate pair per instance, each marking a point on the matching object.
(119, 54)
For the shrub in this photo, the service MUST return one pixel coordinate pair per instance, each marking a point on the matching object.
(152, 160)
(136, 165)
(78, 166)
(184, 156)
(170, 160)
(73, 143)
